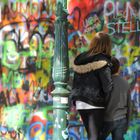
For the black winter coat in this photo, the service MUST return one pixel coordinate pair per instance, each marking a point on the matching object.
(92, 81)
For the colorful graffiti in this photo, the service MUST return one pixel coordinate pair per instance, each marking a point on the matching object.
(120, 19)
(26, 53)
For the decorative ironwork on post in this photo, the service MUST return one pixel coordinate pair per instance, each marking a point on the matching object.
(60, 72)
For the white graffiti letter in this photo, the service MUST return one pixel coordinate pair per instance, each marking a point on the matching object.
(111, 28)
(129, 9)
(106, 12)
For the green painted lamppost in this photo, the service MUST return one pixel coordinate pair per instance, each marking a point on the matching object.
(60, 72)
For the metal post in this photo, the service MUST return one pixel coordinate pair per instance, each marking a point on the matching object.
(60, 72)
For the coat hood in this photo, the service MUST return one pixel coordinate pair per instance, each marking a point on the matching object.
(84, 63)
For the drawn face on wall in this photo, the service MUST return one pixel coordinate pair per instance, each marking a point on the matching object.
(93, 23)
(33, 43)
(49, 46)
(43, 27)
(11, 58)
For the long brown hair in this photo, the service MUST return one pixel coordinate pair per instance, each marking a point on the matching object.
(101, 43)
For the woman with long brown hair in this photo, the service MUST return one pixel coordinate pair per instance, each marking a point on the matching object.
(92, 83)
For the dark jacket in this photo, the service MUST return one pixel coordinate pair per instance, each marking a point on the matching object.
(119, 103)
(92, 81)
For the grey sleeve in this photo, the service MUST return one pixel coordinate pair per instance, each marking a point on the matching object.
(129, 107)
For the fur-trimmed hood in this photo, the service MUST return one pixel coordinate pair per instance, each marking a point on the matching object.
(84, 63)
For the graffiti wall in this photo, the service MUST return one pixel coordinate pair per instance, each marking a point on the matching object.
(26, 53)
(26, 50)
(121, 20)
